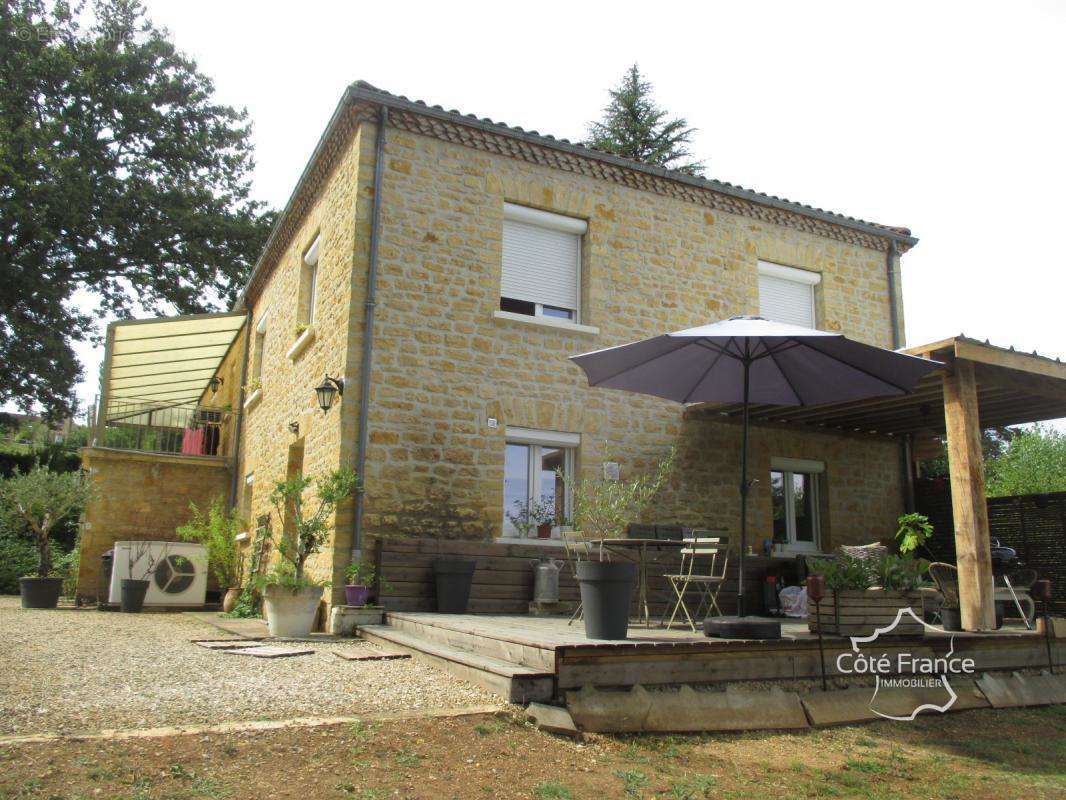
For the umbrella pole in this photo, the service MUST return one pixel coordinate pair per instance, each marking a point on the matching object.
(743, 495)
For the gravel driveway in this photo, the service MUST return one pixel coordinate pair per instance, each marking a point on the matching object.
(70, 671)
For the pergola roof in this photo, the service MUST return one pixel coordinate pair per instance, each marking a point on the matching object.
(1012, 388)
(167, 360)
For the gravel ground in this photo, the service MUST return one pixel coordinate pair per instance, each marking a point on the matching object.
(69, 671)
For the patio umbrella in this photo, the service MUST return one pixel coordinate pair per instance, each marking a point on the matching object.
(753, 360)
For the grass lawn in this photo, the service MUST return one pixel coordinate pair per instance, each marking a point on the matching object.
(977, 754)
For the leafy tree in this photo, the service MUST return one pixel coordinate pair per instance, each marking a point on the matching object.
(633, 126)
(119, 176)
(216, 528)
(43, 499)
(1034, 462)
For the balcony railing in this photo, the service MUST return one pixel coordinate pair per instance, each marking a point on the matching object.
(161, 427)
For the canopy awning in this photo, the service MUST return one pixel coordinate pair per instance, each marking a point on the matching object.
(1012, 388)
(166, 360)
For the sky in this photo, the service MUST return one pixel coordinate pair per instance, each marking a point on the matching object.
(947, 118)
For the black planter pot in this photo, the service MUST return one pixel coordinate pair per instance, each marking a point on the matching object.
(606, 592)
(453, 576)
(133, 593)
(951, 618)
(40, 592)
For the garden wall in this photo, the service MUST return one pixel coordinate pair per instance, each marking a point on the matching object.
(141, 496)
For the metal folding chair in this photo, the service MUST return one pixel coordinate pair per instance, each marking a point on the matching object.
(707, 547)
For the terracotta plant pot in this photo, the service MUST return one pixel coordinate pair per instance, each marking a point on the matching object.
(356, 594)
(230, 598)
(40, 592)
(291, 615)
(544, 530)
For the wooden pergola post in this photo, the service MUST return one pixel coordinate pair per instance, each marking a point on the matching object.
(967, 471)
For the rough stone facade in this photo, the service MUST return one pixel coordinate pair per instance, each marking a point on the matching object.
(141, 496)
(444, 365)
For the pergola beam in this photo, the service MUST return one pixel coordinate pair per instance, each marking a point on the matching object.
(967, 471)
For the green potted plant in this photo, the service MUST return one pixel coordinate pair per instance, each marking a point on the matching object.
(520, 517)
(361, 576)
(41, 499)
(290, 597)
(217, 529)
(914, 532)
(867, 594)
(543, 514)
(602, 509)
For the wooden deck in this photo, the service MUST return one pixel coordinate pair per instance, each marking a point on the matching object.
(527, 658)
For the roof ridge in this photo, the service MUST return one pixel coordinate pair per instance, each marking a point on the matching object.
(364, 88)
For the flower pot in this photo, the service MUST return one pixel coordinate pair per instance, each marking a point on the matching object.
(544, 530)
(133, 593)
(950, 619)
(606, 592)
(291, 614)
(230, 598)
(40, 592)
(453, 577)
(356, 594)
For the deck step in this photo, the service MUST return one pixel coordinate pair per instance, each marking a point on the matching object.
(516, 683)
(481, 640)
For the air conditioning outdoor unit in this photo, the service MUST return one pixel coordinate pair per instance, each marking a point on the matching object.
(179, 577)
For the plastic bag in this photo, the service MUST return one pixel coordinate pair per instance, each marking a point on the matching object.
(793, 601)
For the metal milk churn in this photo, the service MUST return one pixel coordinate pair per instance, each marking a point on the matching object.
(546, 580)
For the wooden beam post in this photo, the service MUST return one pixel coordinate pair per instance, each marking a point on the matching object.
(967, 471)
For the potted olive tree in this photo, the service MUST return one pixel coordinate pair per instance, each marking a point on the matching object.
(602, 509)
(290, 597)
(42, 498)
(217, 529)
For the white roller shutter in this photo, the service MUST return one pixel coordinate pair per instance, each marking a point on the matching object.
(541, 257)
(787, 294)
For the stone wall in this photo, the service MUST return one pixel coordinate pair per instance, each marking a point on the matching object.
(141, 496)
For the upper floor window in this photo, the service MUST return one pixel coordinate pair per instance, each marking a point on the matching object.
(786, 294)
(258, 345)
(305, 312)
(541, 263)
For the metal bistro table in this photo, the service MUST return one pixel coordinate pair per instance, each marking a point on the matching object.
(636, 550)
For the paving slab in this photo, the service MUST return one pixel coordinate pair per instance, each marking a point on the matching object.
(269, 651)
(1014, 691)
(845, 706)
(369, 655)
(225, 644)
(553, 719)
(685, 711)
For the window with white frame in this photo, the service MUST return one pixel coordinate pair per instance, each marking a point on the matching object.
(534, 493)
(786, 294)
(541, 263)
(797, 490)
(258, 346)
(308, 285)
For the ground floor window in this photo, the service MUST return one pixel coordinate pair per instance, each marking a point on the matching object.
(533, 491)
(797, 488)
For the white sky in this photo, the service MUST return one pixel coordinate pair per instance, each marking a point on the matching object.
(944, 117)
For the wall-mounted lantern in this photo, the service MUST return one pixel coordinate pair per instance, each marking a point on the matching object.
(294, 428)
(215, 383)
(328, 390)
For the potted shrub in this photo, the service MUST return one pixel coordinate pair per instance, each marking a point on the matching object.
(361, 576)
(141, 562)
(290, 598)
(602, 510)
(913, 531)
(41, 499)
(543, 514)
(867, 594)
(217, 529)
(521, 518)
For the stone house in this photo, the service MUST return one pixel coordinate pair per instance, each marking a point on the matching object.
(444, 267)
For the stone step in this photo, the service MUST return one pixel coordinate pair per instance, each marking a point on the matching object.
(514, 682)
(469, 636)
